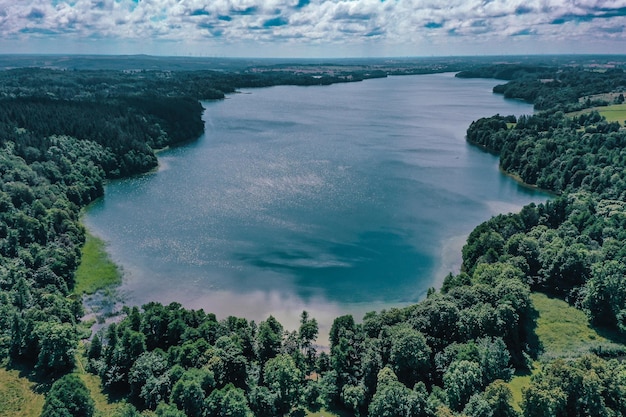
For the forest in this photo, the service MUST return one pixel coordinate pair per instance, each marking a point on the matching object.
(64, 133)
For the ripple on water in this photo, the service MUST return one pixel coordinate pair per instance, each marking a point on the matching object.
(289, 202)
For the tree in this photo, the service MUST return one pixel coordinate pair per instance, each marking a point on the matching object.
(478, 406)
(121, 355)
(167, 410)
(515, 313)
(343, 326)
(494, 360)
(410, 355)
(128, 410)
(269, 339)
(329, 389)
(482, 246)
(57, 345)
(284, 380)
(22, 298)
(190, 354)
(499, 397)
(149, 379)
(312, 395)
(393, 399)
(462, 380)
(527, 247)
(605, 294)
(228, 363)
(371, 364)
(480, 319)
(95, 348)
(307, 335)
(68, 397)
(345, 360)
(582, 387)
(262, 401)
(491, 274)
(437, 318)
(540, 400)
(353, 397)
(228, 402)
(346, 344)
(190, 390)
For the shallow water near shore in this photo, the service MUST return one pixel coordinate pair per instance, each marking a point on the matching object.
(339, 199)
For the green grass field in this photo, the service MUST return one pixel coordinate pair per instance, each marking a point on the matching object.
(517, 385)
(564, 332)
(96, 270)
(612, 113)
(20, 397)
(104, 406)
(17, 396)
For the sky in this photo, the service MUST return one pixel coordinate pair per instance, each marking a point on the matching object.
(312, 28)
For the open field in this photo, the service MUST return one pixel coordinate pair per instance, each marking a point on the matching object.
(612, 113)
(17, 396)
(563, 331)
(96, 270)
(518, 383)
(104, 406)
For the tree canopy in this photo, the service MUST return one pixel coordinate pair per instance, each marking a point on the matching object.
(63, 133)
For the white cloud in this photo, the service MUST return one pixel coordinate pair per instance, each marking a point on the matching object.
(396, 25)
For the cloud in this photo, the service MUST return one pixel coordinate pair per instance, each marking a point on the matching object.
(589, 14)
(277, 21)
(523, 9)
(302, 3)
(36, 14)
(523, 32)
(199, 12)
(246, 11)
(352, 15)
(433, 25)
(394, 25)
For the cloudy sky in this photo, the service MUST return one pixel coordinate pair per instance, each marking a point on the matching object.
(312, 28)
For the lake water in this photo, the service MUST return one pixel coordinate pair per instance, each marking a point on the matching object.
(339, 199)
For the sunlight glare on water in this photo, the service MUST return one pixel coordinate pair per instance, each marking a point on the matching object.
(338, 199)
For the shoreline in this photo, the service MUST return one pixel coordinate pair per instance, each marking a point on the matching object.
(98, 283)
(449, 261)
(521, 182)
(512, 175)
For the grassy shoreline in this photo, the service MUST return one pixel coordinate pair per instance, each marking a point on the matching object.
(96, 270)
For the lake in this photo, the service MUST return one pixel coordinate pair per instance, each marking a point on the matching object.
(337, 199)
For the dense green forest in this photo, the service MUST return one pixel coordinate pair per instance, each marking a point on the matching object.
(63, 133)
(553, 88)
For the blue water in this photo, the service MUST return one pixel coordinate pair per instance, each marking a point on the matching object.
(337, 199)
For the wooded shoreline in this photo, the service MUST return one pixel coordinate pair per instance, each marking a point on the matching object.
(448, 355)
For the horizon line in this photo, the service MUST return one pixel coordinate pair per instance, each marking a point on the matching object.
(104, 55)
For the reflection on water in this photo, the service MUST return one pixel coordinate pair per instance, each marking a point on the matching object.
(338, 199)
